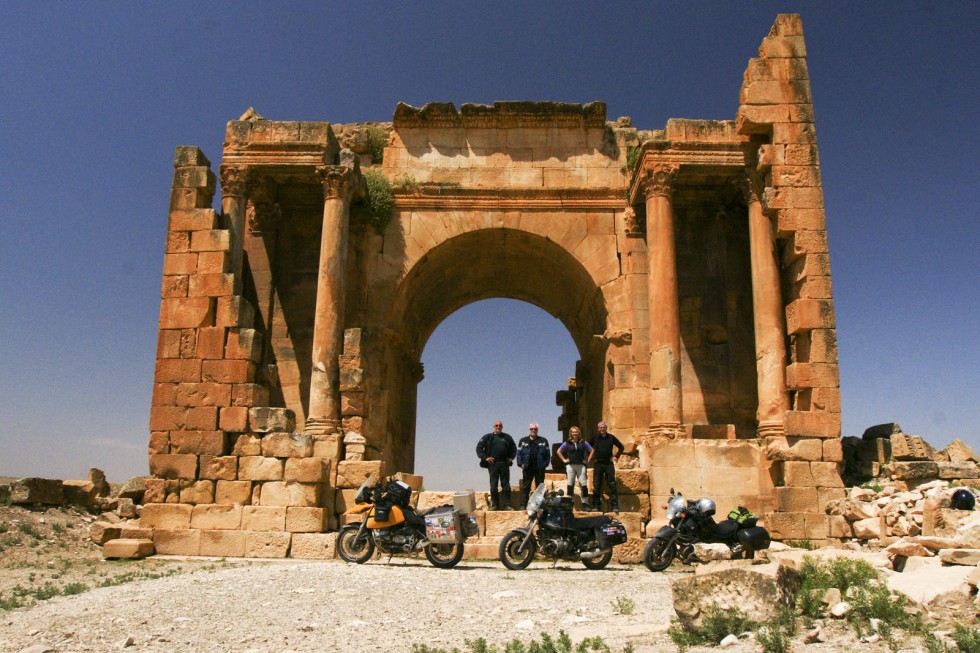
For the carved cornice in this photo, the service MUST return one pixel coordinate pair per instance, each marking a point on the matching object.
(658, 180)
(634, 228)
(234, 179)
(531, 199)
(339, 182)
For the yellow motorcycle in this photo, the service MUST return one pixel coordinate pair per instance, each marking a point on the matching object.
(390, 525)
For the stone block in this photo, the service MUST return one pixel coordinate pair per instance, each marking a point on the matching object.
(128, 549)
(839, 527)
(248, 445)
(203, 394)
(795, 499)
(813, 424)
(871, 528)
(826, 474)
(78, 493)
(344, 500)
(166, 516)
(222, 543)
(959, 452)
(197, 492)
(228, 371)
(40, 491)
(277, 493)
(213, 262)
(284, 445)
(211, 285)
(724, 453)
(910, 447)
(244, 344)
(179, 263)
(216, 517)
(101, 532)
(182, 542)
(219, 468)
(213, 240)
(503, 521)
(351, 473)
(264, 518)
(913, 471)
(177, 370)
(305, 519)
(308, 470)
(186, 313)
(427, 500)
(833, 451)
(267, 544)
(633, 481)
(260, 468)
(234, 311)
(786, 525)
(794, 448)
(235, 493)
(960, 470)
(267, 420)
(233, 419)
(327, 446)
(173, 466)
(796, 473)
(315, 546)
(411, 480)
(199, 443)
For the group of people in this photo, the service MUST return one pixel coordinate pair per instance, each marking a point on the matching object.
(497, 451)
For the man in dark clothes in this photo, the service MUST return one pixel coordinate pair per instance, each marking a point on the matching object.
(606, 450)
(533, 456)
(496, 451)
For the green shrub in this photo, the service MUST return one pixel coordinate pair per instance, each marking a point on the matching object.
(632, 159)
(804, 544)
(967, 639)
(29, 529)
(377, 139)
(716, 625)
(378, 207)
(548, 644)
(623, 605)
(72, 589)
(772, 639)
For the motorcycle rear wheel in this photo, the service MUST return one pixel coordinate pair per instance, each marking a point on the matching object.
(658, 554)
(444, 556)
(353, 550)
(510, 555)
(598, 562)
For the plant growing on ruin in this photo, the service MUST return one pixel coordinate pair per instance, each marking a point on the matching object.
(632, 159)
(716, 625)
(623, 605)
(548, 644)
(377, 139)
(377, 208)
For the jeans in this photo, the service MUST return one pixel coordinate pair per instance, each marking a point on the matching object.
(500, 473)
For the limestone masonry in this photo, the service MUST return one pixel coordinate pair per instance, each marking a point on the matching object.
(689, 264)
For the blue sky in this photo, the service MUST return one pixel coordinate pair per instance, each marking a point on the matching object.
(95, 96)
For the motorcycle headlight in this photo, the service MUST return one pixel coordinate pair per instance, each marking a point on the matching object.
(670, 513)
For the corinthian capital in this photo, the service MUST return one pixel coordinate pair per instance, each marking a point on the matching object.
(658, 180)
(338, 181)
(233, 180)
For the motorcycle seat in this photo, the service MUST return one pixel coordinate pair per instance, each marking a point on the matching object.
(590, 522)
(725, 528)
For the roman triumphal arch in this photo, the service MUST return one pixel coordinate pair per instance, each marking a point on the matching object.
(689, 264)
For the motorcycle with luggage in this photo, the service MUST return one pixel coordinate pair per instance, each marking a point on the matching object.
(553, 531)
(390, 525)
(692, 522)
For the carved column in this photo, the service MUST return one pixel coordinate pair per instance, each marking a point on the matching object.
(328, 327)
(768, 314)
(233, 181)
(666, 415)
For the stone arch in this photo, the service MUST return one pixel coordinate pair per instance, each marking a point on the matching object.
(477, 265)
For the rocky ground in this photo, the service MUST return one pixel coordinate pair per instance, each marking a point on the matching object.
(59, 595)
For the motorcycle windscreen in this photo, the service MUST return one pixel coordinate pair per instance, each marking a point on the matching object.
(363, 493)
(395, 517)
(536, 500)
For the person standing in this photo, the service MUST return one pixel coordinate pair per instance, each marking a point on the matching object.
(496, 451)
(575, 453)
(533, 456)
(606, 450)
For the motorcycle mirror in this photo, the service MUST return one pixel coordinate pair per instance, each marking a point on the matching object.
(671, 491)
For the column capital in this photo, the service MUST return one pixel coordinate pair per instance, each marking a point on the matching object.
(634, 228)
(751, 184)
(658, 180)
(338, 182)
(233, 180)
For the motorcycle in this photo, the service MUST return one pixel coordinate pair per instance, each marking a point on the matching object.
(392, 526)
(557, 533)
(692, 522)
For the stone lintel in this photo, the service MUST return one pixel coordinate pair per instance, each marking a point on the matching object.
(279, 143)
(501, 115)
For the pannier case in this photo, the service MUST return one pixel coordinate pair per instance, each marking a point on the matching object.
(609, 535)
(757, 537)
(465, 502)
(442, 526)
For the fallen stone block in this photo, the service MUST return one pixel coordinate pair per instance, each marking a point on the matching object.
(960, 470)
(910, 447)
(966, 557)
(759, 591)
(881, 431)
(958, 451)
(134, 489)
(925, 584)
(79, 493)
(43, 491)
(128, 549)
(102, 532)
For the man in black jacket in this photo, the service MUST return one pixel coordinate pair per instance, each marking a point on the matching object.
(496, 451)
(533, 456)
(606, 450)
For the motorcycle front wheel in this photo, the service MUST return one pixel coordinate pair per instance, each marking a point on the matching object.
(444, 556)
(599, 561)
(658, 554)
(354, 549)
(510, 553)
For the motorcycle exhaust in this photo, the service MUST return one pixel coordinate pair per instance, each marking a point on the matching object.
(588, 555)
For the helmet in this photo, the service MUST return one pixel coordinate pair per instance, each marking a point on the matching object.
(706, 506)
(963, 499)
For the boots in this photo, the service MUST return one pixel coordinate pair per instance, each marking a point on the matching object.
(586, 506)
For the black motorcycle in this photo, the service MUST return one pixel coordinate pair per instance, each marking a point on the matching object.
(692, 522)
(389, 523)
(553, 530)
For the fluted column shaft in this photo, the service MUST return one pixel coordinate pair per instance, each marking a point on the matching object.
(328, 327)
(233, 181)
(769, 316)
(666, 413)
